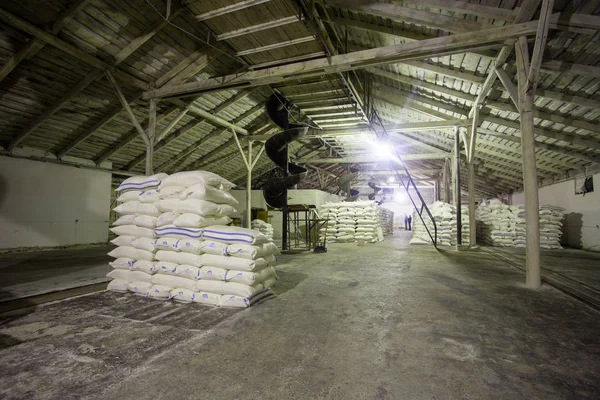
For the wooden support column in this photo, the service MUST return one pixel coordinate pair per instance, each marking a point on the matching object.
(151, 137)
(456, 176)
(471, 179)
(527, 82)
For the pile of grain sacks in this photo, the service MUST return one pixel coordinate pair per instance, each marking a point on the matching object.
(263, 227)
(504, 226)
(445, 216)
(178, 245)
(351, 221)
(386, 220)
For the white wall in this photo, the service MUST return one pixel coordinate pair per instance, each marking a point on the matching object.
(44, 204)
(581, 226)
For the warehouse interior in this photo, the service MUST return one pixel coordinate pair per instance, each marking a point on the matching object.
(307, 199)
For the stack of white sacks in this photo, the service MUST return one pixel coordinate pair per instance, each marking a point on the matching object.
(264, 228)
(351, 221)
(191, 255)
(445, 216)
(386, 220)
(503, 225)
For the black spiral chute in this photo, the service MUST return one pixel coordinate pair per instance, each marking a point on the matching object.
(345, 181)
(276, 148)
(373, 184)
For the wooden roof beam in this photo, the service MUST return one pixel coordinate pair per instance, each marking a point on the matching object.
(32, 47)
(411, 15)
(181, 72)
(229, 9)
(274, 46)
(462, 7)
(89, 79)
(357, 60)
(258, 27)
(180, 132)
(371, 159)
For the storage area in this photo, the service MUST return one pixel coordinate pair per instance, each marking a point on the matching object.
(298, 199)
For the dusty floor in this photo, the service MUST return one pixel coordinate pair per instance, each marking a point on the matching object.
(30, 273)
(385, 321)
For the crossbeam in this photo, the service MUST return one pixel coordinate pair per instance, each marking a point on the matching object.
(345, 62)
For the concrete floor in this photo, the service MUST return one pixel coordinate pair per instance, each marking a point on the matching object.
(384, 321)
(29, 273)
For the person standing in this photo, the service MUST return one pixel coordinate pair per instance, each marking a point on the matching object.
(405, 222)
(409, 223)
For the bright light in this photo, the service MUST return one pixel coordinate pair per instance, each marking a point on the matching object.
(384, 151)
(391, 179)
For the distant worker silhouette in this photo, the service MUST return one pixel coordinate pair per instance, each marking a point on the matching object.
(409, 223)
(405, 222)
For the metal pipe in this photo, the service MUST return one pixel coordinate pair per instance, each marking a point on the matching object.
(249, 166)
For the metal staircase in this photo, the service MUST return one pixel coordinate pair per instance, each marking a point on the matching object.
(408, 184)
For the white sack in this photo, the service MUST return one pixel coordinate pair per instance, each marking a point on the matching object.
(125, 220)
(144, 243)
(189, 220)
(159, 292)
(132, 230)
(119, 274)
(241, 264)
(166, 218)
(148, 267)
(173, 281)
(132, 195)
(118, 285)
(177, 232)
(179, 258)
(234, 234)
(145, 221)
(213, 273)
(139, 288)
(123, 240)
(183, 295)
(141, 182)
(207, 298)
(138, 276)
(166, 267)
(191, 178)
(122, 263)
(208, 193)
(131, 252)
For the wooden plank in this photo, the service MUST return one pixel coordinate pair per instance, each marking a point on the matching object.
(89, 132)
(288, 60)
(229, 9)
(79, 86)
(462, 7)
(396, 31)
(128, 138)
(576, 69)
(371, 159)
(411, 15)
(345, 62)
(274, 46)
(48, 38)
(258, 27)
(508, 85)
(183, 130)
(125, 105)
(34, 46)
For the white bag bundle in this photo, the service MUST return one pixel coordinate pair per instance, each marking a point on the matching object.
(173, 282)
(144, 243)
(145, 221)
(129, 208)
(234, 234)
(127, 219)
(131, 252)
(191, 178)
(193, 206)
(177, 232)
(182, 295)
(159, 292)
(139, 183)
(188, 220)
(180, 258)
(213, 273)
(123, 240)
(122, 263)
(149, 196)
(140, 288)
(170, 192)
(212, 247)
(207, 298)
(139, 276)
(118, 285)
(132, 230)
(148, 267)
(209, 193)
(188, 272)
(241, 264)
(166, 267)
(132, 195)
(166, 218)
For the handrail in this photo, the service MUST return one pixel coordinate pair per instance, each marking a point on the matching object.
(384, 136)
